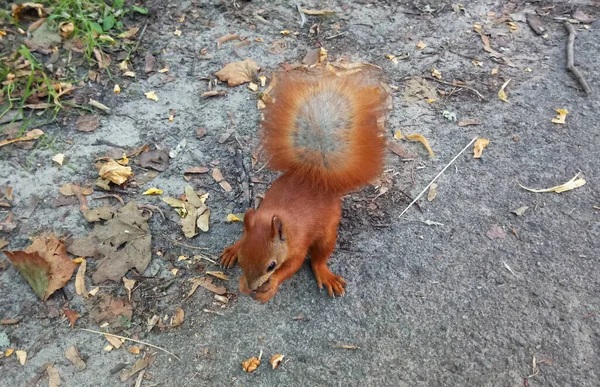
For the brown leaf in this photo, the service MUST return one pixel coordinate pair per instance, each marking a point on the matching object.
(276, 360)
(214, 93)
(155, 159)
(192, 197)
(432, 192)
(178, 318)
(583, 17)
(200, 132)
(44, 265)
(87, 123)
(3, 244)
(197, 170)
(122, 242)
(237, 73)
(53, 376)
(66, 29)
(469, 122)
(72, 316)
(137, 367)
(74, 357)
(203, 219)
(478, 147)
(111, 310)
(80, 280)
(188, 225)
(8, 224)
(251, 364)
(150, 63)
(31, 135)
(207, 283)
(218, 274)
(114, 341)
(115, 172)
(400, 151)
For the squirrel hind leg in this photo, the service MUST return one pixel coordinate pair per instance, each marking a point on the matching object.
(319, 255)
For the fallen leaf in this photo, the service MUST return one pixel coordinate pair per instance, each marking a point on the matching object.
(115, 172)
(469, 123)
(9, 352)
(214, 93)
(178, 318)
(8, 224)
(206, 282)
(251, 364)
(139, 365)
(478, 147)
(150, 63)
(135, 350)
(115, 342)
(21, 356)
(422, 140)
(177, 32)
(218, 274)
(276, 360)
(197, 170)
(58, 158)
(72, 316)
(232, 218)
(151, 95)
(175, 203)
(400, 151)
(80, 288)
(495, 71)
(3, 243)
(74, 357)
(520, 211)
(129, 284)
(44, 265)
(110, 310)
(583, 17)
(237, 73)
(94, 291)
(117, 89)
(432, 192)
(155, 159)
(192, 197)
(152, 322)
(561, 117)
(575, 182)
(180, 146)
(436, 73)
(87, 123)
(129, 74)
(121, 243)
(421, 45)
(188, 226)
(66, 29)
(153, 191)
(31, 135)
(501, 93)
(129, 33)
(495, 232)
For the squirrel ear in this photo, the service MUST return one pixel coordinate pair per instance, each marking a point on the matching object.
(277, 229)
(248, 218)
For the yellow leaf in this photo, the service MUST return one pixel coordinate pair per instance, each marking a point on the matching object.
(436, 73)
(575, 182)
(165, 70)
(123, 65)
(232, 218)
(253, 86)
(182, 258)
(422, 140)
(151, 95)
(494, 71)
(174, 271)
(171, 118)
(478, 147)
(477, 63)
(79, 260)
(421, 45)
(177, 32)
(514, 27)
(430, 100)
(218, 274)
(285, 32)
(123, 160)
(117, 89)
(8, 352)
(129, 74)
(561, 117)
(477, 27)
(398, 135)
(21, 356)
(115, 172)
(153, 191)
(59, 159)
(502, 94)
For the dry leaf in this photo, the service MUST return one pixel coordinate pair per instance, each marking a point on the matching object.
(129, 33)
(323, 12)
(115, 172)
(206, 282)
(117, 89)
(175, 203)
(276, 360)
(72, 316)
(197, 170)
(21, 356)
(561, 117)
(87, 123)
(129, 74)
(203, 220)
(494, 71)
(232, 218)
(115, 342)
(135, 350)
(192, 197)
(66, 29)
(495, 232)
(80, 280)
(178, 318)
(421, 45)
(188, 226)
(251, 364)
(432, 192)
(31, 135)
(422, 140)
(218, 274)
(53, 376)
(74, 357)
(129, 284)
(575, 182)
(44, 265)
(111, 310)
(155, 159)
(520, 211)
(137, 367)
(478, 147)
(58, 158)
(501, 93)
(436, 73)
(151, 95)
(8, 352)
(153, 191)
(237, 73)
(177, 32)
(469, 123)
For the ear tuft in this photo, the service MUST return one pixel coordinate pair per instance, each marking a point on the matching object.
(277, 229)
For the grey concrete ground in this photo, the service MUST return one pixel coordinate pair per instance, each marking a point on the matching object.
(427, 305)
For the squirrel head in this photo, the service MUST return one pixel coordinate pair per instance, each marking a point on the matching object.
(263, 249)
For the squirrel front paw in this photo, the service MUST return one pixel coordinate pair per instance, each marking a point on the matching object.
(334, 283)
(229, 256)
(266, 291)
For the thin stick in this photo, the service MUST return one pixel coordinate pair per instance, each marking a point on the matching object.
(436, 177)
(570, 61)
(135, 341)
(183, 244)
(455, 85)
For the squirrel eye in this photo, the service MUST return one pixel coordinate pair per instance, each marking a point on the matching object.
(272, 266)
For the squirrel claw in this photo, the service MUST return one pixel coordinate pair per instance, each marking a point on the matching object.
(334, 283)
(228, 257)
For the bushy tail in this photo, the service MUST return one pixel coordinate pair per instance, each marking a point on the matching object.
(324, 129)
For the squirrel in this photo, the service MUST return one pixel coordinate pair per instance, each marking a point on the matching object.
(324, 132)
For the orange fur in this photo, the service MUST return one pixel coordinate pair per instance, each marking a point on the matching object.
(301, 210)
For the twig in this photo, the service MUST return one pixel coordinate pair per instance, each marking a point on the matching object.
(135, 341)
(139, 40)
(410, 198)
(436, 177)
(335, 36)
(302, 17)
(570, 61)
(183, 244)
(455, 85)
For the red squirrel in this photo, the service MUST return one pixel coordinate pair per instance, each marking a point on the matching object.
(322, 131)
